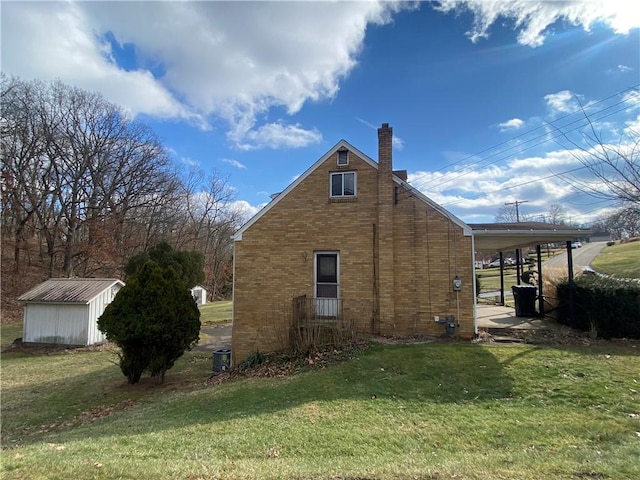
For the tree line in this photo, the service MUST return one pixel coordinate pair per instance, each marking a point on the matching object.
(85, 188)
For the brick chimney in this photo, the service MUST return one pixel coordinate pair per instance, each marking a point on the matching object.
(385, 247)
(385, 143)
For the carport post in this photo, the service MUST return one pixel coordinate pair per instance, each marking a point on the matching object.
(540, 297)
(571, 302)
(501, 279)
(518, 271)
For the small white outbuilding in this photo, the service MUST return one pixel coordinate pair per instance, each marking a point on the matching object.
(65, 311)
(199, 294)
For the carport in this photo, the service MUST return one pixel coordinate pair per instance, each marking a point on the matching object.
(501, 237)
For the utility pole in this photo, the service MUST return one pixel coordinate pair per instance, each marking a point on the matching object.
(516, 203)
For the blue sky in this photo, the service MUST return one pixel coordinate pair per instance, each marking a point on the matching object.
(257, 91)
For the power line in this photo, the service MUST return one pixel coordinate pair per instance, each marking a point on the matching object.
(581, 120)
(547, 139)
(501, 189)
(632, 88)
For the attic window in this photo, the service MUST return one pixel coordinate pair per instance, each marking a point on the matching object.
(343, 184)
(343, 158)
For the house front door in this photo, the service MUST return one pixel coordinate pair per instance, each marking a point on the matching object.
(327, 284)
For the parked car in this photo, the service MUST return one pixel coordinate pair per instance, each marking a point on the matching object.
(507, 262)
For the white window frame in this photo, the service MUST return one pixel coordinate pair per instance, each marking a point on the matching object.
(342, 174)
(346, 158)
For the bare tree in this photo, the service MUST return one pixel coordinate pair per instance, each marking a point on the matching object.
(615, 166)
(27, 172)
(509, 214)
(210, 224)
(556, 214)
(77, 168)
(622, 223)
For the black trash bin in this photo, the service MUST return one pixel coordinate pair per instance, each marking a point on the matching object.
(525, 299)
(222, 360)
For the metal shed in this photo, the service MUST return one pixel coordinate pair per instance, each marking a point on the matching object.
(65, 311)
(199, 294)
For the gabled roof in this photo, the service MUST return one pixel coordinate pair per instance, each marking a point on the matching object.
(343, 144)
(69, 290)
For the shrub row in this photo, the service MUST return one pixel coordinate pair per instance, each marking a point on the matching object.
(610, 306)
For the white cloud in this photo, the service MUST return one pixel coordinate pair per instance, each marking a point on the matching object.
(632, 128)
(632, 99)
(513, 124)
(234, 163)
(189, 162)
(533, 19)
(48, 40)
(397, 143)
(244, 209)
(475, 192)
(197, 61)
(561, 102)
(624, 68)
(275, 135)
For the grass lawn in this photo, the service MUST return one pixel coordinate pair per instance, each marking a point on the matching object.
(490, 279)
(621, 260)
(216, 312)
(9, 332)
(430, 411)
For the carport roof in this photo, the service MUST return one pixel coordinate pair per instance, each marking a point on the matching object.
(68, 290)
(499, 237)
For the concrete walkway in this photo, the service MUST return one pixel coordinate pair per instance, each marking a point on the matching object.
(496, 317)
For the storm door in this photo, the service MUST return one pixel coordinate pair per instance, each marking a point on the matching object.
(327, 284)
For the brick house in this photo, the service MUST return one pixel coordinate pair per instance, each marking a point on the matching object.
(352, 237)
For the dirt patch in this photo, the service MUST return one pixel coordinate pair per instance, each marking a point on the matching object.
(57, 349)
(395, 340)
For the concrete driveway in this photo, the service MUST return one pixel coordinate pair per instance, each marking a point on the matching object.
(582, 257)
(219, 336)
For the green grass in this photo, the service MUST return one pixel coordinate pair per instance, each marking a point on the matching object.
(490, 279)
(9, 332)
(216, 312)
(432, 411)
(621, 260)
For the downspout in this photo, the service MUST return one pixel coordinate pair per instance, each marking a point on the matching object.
(475, 297)
(233, 300)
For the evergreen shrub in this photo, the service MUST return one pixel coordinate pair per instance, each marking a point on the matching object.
(608, 305)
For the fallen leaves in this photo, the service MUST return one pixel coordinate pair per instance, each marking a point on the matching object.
(282, 365)
(85, 417)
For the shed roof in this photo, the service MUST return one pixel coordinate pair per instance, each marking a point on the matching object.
(68, 290)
